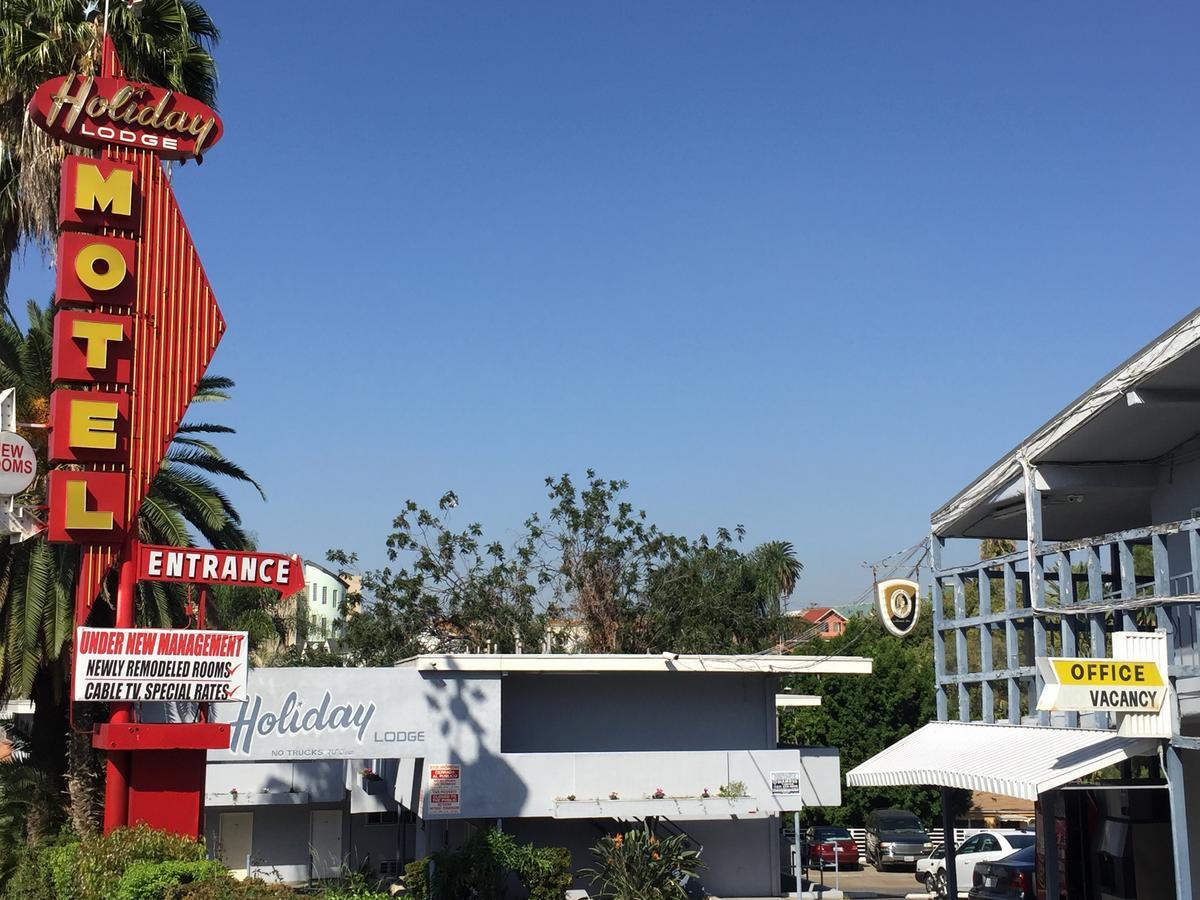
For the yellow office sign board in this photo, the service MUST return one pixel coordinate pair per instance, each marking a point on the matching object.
(1101, 685)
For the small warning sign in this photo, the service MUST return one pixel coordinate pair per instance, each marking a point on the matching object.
(445, 784)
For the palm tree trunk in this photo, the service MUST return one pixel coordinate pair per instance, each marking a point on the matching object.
(85, 775)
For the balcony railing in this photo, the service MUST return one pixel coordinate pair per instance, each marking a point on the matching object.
(993, 618)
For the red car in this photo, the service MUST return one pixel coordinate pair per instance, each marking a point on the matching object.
(828, 847)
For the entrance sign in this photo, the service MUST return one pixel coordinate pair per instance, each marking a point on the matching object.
(18, 465)
(156, 664)
(1101, 685)
(785, 782)
(101, 112)
(445, 790)
(193, 564)
(327, 714)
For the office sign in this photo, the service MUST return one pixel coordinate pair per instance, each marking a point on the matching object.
(159, 664)
(327, 714)
(1101, 685)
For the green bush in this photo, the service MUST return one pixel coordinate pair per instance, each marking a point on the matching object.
(60, 867)
(228, 888)
(31, 878)
(637, 865)
(478, 868)
(150, 880)
(99, 862)
(416, 879)
(546, 872)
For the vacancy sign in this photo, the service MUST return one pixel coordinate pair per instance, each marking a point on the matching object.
(1101, 685)
(193, 565)
(132, 664)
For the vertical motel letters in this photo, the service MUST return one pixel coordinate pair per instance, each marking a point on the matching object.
(93, 349)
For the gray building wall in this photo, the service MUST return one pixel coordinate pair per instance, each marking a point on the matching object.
(636, 711)
(741, 858)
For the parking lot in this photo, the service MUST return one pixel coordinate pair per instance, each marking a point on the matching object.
(866, 882)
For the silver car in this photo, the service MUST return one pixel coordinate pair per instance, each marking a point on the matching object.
(895, 839)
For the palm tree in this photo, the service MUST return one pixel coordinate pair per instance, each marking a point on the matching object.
(37, 578)
(167, 42)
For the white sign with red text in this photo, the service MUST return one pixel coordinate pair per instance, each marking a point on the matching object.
(157, 664)
(18, 465)
(445, 786)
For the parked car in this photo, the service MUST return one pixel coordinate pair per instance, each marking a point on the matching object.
(828, 847)
(983, 846)
(895, 837)
(1010, 878)
(930, 864)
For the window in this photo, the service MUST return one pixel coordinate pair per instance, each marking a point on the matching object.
(988, 844)
(971, 845)
(324, 595)
(387, 817)
(825, 627)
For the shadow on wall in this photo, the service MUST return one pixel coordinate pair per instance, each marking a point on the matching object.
(489, 787)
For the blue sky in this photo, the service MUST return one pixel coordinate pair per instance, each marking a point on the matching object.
(807, 267)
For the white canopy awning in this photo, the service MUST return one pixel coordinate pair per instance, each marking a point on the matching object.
(1014, 760)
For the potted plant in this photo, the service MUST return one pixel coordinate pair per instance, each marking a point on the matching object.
(659, 794)
(613, 796)
(372, 781)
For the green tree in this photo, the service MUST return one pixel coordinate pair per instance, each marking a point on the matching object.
(37, 578)
(451, 591)
(715, 599)
(861, 716)
(166, 42)
(633, 587)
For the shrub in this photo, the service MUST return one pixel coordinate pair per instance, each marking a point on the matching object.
(99, 862)
(637, 865)
(150, 880)
(30, 878)
(546, 872)
(416, 879)
(477, 869)
(228, 888)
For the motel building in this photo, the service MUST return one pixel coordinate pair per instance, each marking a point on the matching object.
(1103, 504)
(381, 766)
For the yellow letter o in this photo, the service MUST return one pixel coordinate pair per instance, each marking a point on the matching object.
(85, 267)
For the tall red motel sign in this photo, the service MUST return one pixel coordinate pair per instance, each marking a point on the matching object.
(136, 327)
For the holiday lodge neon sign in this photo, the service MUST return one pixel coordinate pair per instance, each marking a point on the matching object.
(96, 112)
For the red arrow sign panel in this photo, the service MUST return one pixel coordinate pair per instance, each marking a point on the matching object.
(195, 565)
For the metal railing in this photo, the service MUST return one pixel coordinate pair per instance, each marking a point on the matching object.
(993, 618)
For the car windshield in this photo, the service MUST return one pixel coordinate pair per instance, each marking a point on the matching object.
(832, 834)
(1020, 841)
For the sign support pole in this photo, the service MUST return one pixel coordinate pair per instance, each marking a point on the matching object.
(116, 785)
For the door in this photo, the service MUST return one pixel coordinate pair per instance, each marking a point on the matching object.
(325, 843)
(235, 833)
(973, 850)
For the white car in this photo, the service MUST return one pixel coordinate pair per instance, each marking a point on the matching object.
(983, 846)
(927, 865)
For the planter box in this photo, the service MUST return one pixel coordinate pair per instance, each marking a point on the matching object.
(680, 808)
(374, 786)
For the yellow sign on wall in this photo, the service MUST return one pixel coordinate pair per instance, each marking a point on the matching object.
(1101, 685)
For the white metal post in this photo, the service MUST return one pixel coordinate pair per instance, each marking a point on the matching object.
(796, 849)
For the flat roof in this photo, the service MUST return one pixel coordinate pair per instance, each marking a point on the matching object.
(597, 663)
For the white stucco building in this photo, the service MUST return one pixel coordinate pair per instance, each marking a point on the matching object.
(557, 749)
